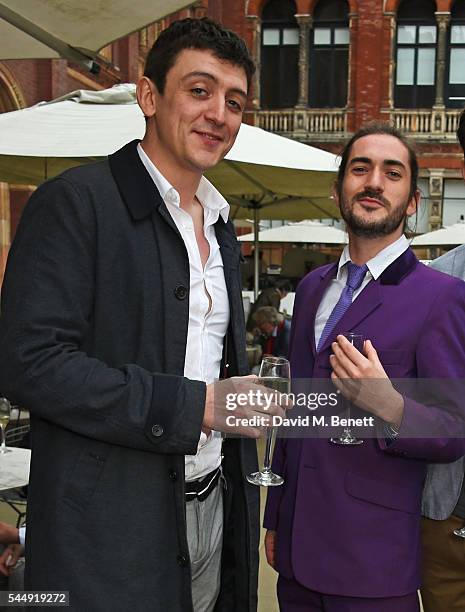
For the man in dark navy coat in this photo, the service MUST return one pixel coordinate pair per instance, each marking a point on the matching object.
(121, 305)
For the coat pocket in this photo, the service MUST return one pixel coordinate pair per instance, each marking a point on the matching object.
(86, 474)
(392, 357)
(397, 363)
(382, 493)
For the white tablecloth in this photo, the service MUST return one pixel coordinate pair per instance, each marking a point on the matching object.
(14, 468)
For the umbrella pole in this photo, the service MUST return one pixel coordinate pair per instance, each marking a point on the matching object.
(256, 229)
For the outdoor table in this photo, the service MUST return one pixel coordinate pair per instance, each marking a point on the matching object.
(14, 468)
(14, 473)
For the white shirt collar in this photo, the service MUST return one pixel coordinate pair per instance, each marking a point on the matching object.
(381, 261)
(211, 199)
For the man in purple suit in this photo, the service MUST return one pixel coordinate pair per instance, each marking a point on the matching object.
(343, 530)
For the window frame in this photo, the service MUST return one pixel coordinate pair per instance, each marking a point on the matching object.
(313, 53)
(453, 88)
(283, 68)
(419, 96)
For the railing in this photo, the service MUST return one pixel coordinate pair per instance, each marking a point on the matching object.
(331, 124)
(434, 123)
(299, 122)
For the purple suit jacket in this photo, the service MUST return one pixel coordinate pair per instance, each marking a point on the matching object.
(347, 518)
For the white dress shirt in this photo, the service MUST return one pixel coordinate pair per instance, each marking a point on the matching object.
(376, 267)
(208, 302)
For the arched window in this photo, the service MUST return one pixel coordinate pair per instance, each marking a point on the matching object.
(454, 96)
(329, 55)
(280, 55)
(416, 54)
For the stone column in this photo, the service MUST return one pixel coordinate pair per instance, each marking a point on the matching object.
(443, 20)
(254, 24)
(305, 23)
(4, 226)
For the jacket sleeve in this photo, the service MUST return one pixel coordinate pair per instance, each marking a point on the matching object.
(434, 430)
(46, 320)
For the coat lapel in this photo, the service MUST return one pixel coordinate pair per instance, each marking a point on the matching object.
(326, 277)
(365, 303)
(231, 256)
(371, 297)
(136, 186)
(134, 182)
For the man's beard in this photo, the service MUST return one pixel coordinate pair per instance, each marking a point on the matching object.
(372, 229)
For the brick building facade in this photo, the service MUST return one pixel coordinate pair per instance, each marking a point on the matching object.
(324, 68)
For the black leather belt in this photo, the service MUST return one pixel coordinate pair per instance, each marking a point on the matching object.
(201, 489)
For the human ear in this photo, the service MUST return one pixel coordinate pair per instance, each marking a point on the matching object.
(146, 96)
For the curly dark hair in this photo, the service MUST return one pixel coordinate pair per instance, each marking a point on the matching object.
(196, 34)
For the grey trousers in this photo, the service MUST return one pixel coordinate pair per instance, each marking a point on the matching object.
(205, 540)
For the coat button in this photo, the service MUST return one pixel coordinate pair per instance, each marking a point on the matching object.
(157, 430)
(182, 561)
(173, 475)
(180, 292)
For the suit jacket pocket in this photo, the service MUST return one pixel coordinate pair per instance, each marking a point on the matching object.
(386, 494)
(397, 363)
(86, 474)
(392, 357)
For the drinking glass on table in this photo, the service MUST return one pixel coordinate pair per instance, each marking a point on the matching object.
(275, 374)
(347, 438)
(5, 411)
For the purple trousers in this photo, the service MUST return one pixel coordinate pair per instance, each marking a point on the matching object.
(293, 597)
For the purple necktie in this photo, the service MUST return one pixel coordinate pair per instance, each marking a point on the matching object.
(355, 276)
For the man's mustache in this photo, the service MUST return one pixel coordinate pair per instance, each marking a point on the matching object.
(371, 193)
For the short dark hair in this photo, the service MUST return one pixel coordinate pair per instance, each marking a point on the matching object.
(196, 34)
(283, 285)
(379, 127)
(461, 131)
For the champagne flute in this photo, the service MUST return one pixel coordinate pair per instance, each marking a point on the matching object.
(275, 374)
(347, 438)
(5, 411)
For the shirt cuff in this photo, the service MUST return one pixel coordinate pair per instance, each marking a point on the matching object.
(390, 432)
(22, 535)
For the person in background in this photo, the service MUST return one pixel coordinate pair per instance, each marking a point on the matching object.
(13, 540)
(443, 505)
(271, 296)
(275, 331)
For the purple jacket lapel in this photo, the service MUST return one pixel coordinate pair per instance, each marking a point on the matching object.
(326, 276)
(369, 299)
